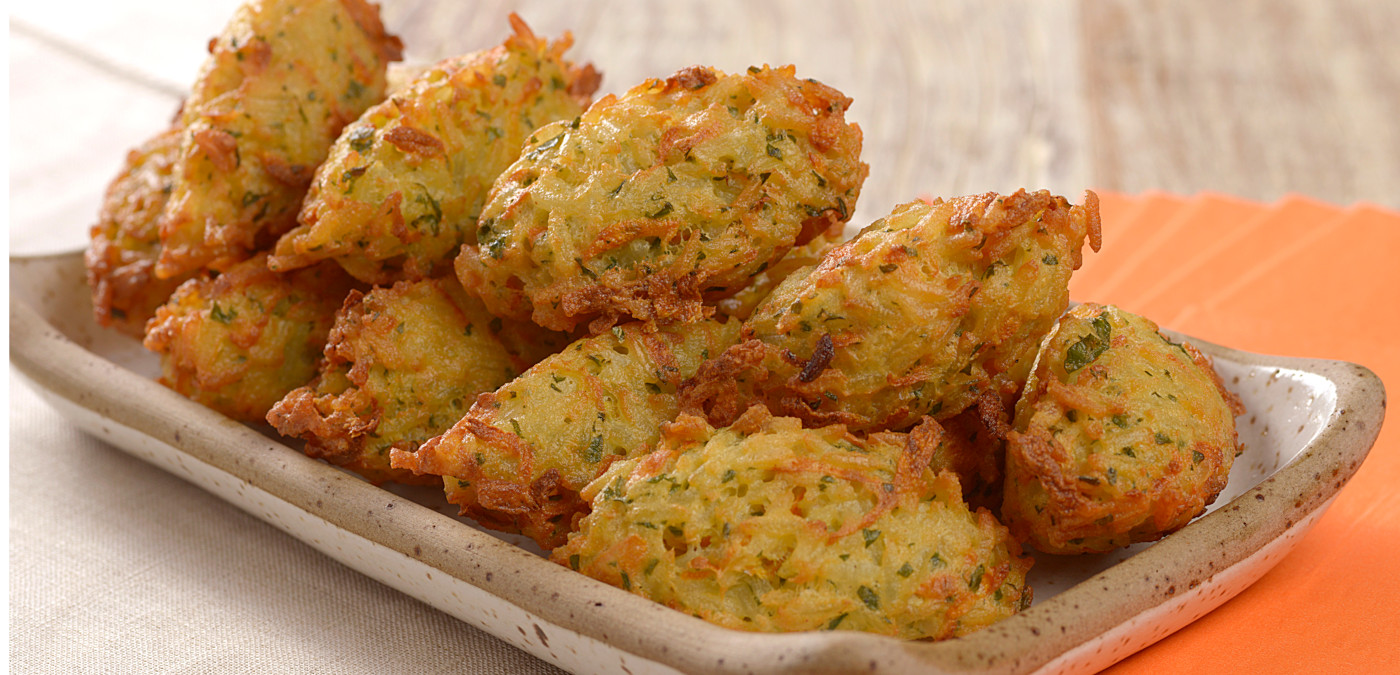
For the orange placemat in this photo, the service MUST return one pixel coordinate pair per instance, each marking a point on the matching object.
(1297, 278)
(1126, 221)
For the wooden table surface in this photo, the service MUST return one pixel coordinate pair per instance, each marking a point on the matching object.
(1255, 99)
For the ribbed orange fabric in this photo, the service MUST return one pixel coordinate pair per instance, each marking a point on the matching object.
(1298, 278)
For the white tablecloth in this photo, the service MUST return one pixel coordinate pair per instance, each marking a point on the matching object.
(119, 567)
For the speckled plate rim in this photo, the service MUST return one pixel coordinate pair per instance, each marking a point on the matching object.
(584, 625)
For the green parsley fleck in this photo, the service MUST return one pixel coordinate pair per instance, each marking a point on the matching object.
(869, 597)
(1089, 347)
(975, 581)
(594, 453)
(217, 313)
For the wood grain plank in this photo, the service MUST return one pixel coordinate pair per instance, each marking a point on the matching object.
(159, 42)
(1251, 98)
(953, 98)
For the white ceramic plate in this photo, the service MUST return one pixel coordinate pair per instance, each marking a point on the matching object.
(1309, 426)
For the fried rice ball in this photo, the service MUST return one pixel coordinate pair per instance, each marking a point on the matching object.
(403, 186)
(929, 311)
(767, 526)
(402, 365)
(681, 190)
(125, 242)
(1121, 436)
(237, 343)
(281, 81)
(518, 459)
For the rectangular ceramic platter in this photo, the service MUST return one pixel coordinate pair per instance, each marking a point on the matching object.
(1309, 425)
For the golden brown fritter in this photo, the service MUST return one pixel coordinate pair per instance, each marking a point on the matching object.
(518, 459)
(402, 365)
(403, 186)
(798, 261)
(239, 342)
(766, 526)
(125, 242)
(679, 190)
(929, 311)
(974, 448)
(1121, 436)
(281, 81)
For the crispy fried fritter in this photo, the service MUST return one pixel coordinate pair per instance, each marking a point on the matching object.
(403, 186)
(1121, 436)
(125, 242)
(239, 342)
(680, 189)
(518, 459)
(923, 313)
(766, 526)
(281, 81)
(402, 365)
(974, 448)
(798, 261)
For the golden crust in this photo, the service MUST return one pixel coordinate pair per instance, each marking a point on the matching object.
(281, 81)
(679, 191)
(924, 312)
(239, 342)
(125, 242)
(1121, 436)
(798, 261)
(974, 448)
(401, 365)
(403, 186)
(517, 460)
(766, 526)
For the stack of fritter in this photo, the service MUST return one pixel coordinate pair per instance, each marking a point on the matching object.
(631, 331)
(287, 156)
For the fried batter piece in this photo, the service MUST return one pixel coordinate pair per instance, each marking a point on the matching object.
(239, 342)
(125, 242)
(798, 261)
(681, 190)
(280, 83)
(974, 448)
(402, 365)
(518, 459)
(403, 186)
(932, 310)
(766, 526)
(1121, 436)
